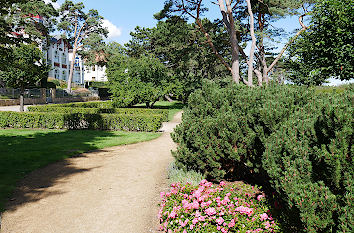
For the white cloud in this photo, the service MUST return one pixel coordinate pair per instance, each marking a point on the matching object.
(55, 4)
(114, 31)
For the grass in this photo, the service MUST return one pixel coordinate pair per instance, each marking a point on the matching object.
(173, 107)
(23, 150)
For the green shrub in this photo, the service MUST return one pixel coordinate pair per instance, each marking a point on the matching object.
(51, 120)
(128, 111)
(224, 129)
(310, 164)
(32, 120)
(289, 139)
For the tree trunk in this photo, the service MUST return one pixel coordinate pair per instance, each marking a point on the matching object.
(230, 25)
(253, 46)
(71, 74)
(22, 93)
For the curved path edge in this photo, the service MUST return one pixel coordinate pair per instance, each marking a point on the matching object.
(111, 190)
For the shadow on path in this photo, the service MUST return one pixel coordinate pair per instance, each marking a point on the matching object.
(22, 155)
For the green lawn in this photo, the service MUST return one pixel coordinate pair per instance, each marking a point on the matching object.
(25, 150)
(173, 107)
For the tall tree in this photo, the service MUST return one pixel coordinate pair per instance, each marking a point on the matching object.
(26, 69)
(326, 50)
(28, 21)
(84, 30)
(137, 80)
(228, 9)
(183, 49)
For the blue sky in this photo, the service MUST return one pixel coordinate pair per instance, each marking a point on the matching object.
(121, 17)
(124, 16)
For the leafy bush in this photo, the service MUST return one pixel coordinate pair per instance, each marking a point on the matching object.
(289, 139)
(59, 108)
(51, 120)
(224, 129)
(211, 208)
(137, 80)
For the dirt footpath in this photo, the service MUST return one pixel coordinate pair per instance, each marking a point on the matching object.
(112, 190)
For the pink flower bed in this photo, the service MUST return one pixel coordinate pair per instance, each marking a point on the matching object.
(215, 208)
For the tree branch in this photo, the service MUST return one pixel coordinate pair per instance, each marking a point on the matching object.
(304, 28)
(211, 44)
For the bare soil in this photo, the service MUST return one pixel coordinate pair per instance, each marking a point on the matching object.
(111, 190)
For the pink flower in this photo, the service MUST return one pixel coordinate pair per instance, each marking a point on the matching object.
(258, 230)
(184, 231)
(223, 230)
(162, 194)
(183, 224)
(186, 205)
(197, 214)
(260, 197)
(219, 220)
(173, 214)
(195, 205)
(264, 217)
(232, 223)
(195, 221)
(222, 183)
(267, 225)
(244, 210)
(210, 211)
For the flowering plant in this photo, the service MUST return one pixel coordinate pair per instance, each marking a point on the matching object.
(215, 208)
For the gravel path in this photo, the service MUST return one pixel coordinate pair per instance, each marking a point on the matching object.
(112, 190)
(14, 108)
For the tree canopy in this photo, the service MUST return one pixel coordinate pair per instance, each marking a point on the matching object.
(326, 50)
(83, 29)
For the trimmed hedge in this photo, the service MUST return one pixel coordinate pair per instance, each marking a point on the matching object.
(128, 111)
(52, 120)
(287, 138)
(98, 104)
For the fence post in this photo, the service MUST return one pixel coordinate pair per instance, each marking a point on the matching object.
(54, 93)
(43, 95)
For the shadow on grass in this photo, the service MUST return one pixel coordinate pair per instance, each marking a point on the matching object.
(23, 152)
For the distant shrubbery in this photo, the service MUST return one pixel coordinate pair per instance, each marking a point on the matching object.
(291, 139)
(52, 120)
(90, 115)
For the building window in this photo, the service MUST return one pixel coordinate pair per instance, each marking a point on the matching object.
(64, 75)
(93, 68)
(56, 56)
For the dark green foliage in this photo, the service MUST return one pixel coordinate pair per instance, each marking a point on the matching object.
(310, 164)
(184, 51)
(224, 129)
(51, 120)
(290, 139)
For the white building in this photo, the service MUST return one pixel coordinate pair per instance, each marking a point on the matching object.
(59, 56)
(95, 74)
